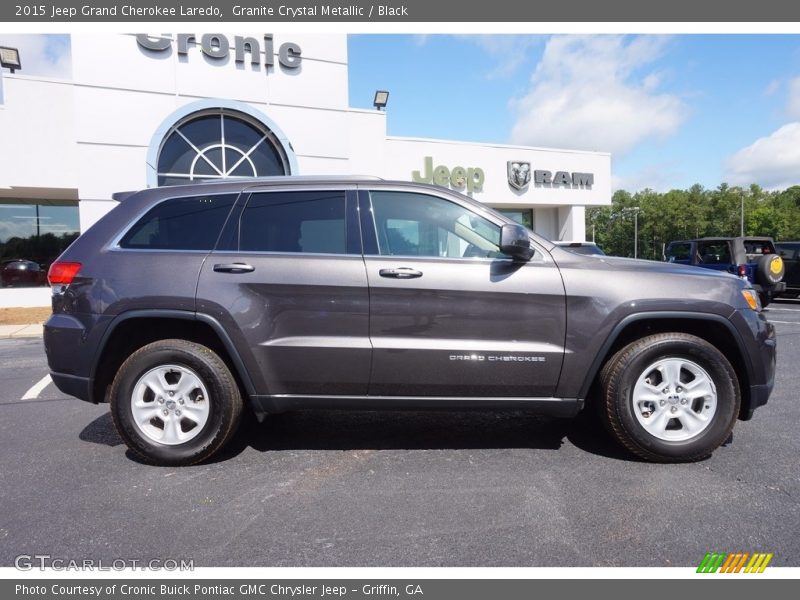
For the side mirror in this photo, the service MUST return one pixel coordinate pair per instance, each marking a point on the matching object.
(514, 242)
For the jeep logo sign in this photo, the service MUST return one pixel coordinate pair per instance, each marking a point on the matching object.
(457, 178)
(216, 45)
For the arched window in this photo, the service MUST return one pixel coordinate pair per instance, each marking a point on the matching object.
(217, 144)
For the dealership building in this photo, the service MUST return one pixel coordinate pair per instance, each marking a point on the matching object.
(141, 111)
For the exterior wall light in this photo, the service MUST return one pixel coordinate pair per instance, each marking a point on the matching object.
(381, 99)
(9, 58)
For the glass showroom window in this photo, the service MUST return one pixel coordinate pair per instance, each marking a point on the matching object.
(523, 216)
(32, 235)
(217, 144)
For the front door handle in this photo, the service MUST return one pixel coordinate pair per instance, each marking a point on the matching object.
(400, 273)
(234, 268)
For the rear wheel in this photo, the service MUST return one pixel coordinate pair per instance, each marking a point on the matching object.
(175, 402)
(670, 397)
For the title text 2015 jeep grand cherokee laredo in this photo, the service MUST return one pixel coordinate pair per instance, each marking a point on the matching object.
(361, 293)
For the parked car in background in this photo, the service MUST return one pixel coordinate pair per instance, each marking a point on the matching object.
(753, 258)
(589, 248)
(790, 253)
(21, 272)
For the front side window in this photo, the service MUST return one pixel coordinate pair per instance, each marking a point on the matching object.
(411, 224)
(788, 251)
(302, 222)
(192, 223)
(679, 252)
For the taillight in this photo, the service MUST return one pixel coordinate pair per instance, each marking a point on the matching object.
(62, 273)
(742, 270)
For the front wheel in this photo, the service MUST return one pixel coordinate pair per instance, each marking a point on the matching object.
(175, 402)
(670, 397)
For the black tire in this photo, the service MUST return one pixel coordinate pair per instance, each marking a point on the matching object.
(622, 372)
(223, 410)
(765, 298)
(770, 269)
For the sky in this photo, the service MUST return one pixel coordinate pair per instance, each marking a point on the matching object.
(673, 111)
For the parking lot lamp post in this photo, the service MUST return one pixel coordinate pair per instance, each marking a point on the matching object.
(741, 221)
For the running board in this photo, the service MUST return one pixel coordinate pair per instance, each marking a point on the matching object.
(555, 407)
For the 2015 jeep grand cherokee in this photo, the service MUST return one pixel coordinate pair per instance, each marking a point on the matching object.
(361, 293)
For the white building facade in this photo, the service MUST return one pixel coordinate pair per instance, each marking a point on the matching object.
(142, 111)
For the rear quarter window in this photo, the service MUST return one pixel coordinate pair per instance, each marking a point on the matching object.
(190, 223)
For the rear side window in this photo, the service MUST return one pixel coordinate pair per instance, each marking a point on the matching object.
(303, 222)
(714, 253)
(191, 223)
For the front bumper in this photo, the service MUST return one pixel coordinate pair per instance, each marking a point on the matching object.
(760, 347)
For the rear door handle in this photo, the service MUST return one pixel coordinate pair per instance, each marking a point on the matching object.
(400, 273)
(234, 268)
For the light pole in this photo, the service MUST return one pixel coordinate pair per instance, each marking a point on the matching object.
(635, 210)
(741, 221)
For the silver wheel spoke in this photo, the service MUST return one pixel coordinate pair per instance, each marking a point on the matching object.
(692, 422)
(186, 386)
(698, 388)
(658, 423)
(672, 373)
(195, 415)
(172, 430)
(648, 397)
(154, 383)
(143, 417)
(653, 389)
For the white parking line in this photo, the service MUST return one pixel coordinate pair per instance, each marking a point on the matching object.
(785, 322)
(771, 308)
(37, 388)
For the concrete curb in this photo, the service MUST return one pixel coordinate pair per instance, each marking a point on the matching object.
(21, 331)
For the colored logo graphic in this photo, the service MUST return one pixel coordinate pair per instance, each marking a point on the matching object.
(740, 562)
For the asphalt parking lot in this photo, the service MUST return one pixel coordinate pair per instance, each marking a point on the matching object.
(393, 489)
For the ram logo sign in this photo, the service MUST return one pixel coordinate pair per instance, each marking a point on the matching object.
(520, 175)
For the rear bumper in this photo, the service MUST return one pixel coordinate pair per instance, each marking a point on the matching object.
(70, 342)
(775, 288)
(73, 385)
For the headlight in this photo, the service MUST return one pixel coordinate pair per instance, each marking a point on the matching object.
(751, 297)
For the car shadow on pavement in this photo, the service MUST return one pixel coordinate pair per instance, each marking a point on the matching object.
(101, 431)
(419, 430)
(398, 430)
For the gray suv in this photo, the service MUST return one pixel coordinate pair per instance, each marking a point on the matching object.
(184, 304)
